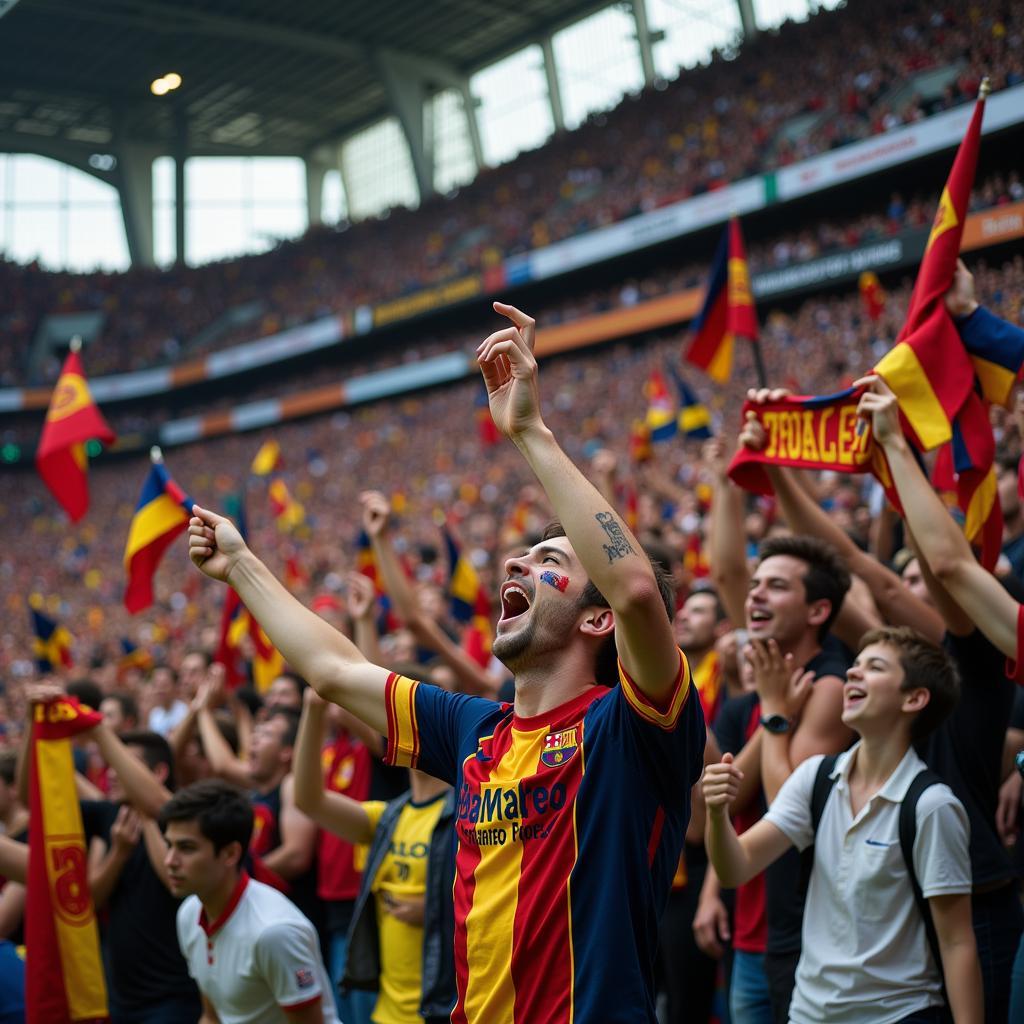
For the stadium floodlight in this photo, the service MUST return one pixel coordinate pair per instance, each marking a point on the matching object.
(173, 79)
(159, 87)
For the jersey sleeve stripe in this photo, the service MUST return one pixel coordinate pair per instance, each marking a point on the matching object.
(646, 708)
(403, 735)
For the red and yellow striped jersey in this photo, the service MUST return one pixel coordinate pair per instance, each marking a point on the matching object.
(568, 831)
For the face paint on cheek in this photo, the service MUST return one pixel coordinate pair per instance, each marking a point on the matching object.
(553, 579)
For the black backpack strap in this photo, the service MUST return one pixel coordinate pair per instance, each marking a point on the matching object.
(908, 833)
(823, 785)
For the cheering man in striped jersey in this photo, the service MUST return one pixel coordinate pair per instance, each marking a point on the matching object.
(573, 802)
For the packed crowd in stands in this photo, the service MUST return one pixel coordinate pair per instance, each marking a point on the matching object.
(818, 238)
(614, 166)
(907, 640)
(414, 445)
(422, 456)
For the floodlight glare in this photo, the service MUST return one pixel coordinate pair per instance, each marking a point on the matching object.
(159, 87)
(173, 79)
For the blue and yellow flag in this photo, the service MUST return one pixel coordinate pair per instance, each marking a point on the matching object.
(52, 645)
(728, 312)
(694, 416)
(661, 410)
(161, 515)
(468, 602)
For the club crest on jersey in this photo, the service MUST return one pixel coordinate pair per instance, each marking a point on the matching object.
(559, 747)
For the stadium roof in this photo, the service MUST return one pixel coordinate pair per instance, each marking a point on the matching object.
(260, 76)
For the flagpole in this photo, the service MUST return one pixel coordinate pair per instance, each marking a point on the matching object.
(75, 344)
(762, 376)
(156, 456)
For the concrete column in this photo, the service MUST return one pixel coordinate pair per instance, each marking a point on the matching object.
(316, 171)
(469, 106)
(747, 19)
(554, 88)
(180, 198)
(407, 94)
(644, 40)
(134, 181)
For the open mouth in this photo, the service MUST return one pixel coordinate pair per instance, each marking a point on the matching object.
(514, 602)
(758, 617)
(853, 696)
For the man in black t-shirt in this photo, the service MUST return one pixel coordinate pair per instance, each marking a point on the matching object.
(147, 976)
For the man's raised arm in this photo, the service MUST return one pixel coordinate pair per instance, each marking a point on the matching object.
(941, 541)
(330, 662)
(608, 551)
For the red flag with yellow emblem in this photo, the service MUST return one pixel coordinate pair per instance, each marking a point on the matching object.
(72, 419)
(64, 972)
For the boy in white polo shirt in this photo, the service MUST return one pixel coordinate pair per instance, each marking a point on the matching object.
(254, 956)
(865, 954)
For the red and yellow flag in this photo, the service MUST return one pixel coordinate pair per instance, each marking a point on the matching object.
(288, 513)
(932, 372)
(872, 295)
(728, 311)
(72, 419)
(64, 975)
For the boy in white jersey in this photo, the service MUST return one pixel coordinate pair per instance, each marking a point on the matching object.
(866, 954)
(254, 956)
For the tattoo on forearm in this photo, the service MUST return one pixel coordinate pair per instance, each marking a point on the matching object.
(618, 546)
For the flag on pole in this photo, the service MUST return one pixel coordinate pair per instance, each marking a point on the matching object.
(872, 295)
(288, 513)
(941, 390)
(236, 622)
(64, 972)
(162, 513)
(661, 409)
(52, 644)
(694, 416)
(366, 563)
(72, 420)
(267, 460)
(485, 425)
(728, 311)
(640, 449)
(468, 601)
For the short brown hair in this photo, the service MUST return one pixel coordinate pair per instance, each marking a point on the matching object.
(606, 670)
(827, 577)
(925, 666)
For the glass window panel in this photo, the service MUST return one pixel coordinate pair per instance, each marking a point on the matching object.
(378, 170)
(36, 235)
(163, 180)
(454, 164)
(598, 62)
(215, 232)
(278, 179)
(692, 32)
(771, 14)
(163, 235)
(333, 206)
(217, 179)
(272, 223)
(96, 239)
(36, 179)
(514, 111)
(89, 191)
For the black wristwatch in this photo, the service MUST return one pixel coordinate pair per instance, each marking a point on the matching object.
(777, 724)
